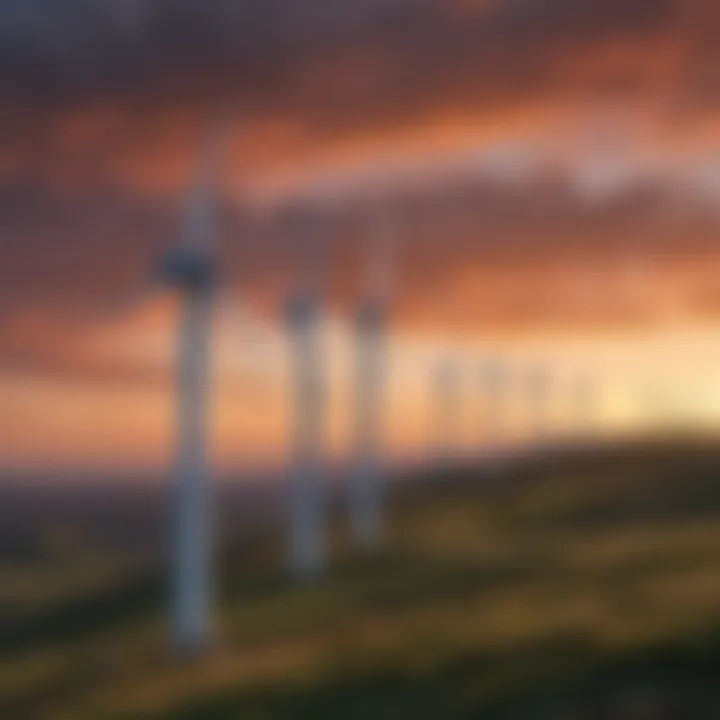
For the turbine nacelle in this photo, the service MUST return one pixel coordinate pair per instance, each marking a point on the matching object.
(371, 316)
(302, 311)
(187, 269)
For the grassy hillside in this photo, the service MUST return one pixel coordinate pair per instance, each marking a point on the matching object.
(583, 585)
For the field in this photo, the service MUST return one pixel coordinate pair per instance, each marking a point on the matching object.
(583, 584)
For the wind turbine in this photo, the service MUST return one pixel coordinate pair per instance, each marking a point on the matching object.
(583, 405)
(366, 491)
(539, 389)
(493, 378)
(307, 551)
(447, 392)
(190, 270)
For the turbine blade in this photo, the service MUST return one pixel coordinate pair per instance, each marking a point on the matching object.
(198, 230)
(382, 260)
(251, 337)
(301, 227)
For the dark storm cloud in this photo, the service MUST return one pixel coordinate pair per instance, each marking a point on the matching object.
(329, 61)
(329, 67)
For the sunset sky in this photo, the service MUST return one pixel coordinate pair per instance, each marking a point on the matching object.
(549, 168)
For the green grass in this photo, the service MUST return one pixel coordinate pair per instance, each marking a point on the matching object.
(564, 588)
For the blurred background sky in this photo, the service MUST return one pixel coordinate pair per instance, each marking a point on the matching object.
(550, 167)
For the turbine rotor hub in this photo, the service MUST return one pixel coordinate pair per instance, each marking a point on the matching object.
(302, 310)
(371, 316)
(190, 270)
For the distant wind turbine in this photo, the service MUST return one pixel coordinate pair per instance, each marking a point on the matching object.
(307, 544)
(493, 379)
(190, 270)
(584, 396)
(366, 491)
(539, 395)
(447, 392)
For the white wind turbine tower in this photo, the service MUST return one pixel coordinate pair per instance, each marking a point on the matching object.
(493, 381)
(447, 393)
(583, 406)
(307, 552)
(190, 270)
(366, 482)
(539, 395)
